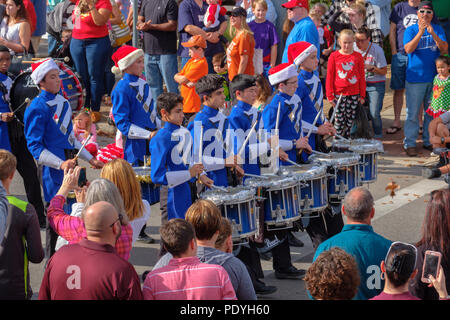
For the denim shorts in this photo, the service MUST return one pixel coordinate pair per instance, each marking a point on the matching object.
(398, 71)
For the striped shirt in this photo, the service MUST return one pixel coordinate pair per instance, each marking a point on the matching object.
(188, 279)
(72, 228)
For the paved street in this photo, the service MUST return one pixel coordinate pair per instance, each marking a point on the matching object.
(399, 218)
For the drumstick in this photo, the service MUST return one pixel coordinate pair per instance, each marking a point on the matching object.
(313, 124)
(320, 153)
(341, 137)
(247, 138)
(335, 108)
(292, 162)
(255, 176)
(278, 118)
(27, 100)
(82, 147)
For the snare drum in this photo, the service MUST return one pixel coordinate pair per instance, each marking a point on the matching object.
(368, 151)
(313, 186)
(237, 204)
(343, 169)
(150, 191)
(282, 203)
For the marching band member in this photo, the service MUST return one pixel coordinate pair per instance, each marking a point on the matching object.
(13, 139)
(304, 56)
(171, 156)
(284, 78)
(133, 107)
(49, 134)
(215, 124)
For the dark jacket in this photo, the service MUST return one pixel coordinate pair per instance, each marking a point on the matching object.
(21, 244)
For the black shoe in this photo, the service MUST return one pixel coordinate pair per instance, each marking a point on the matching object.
(145, 238)
(431, 173)
(291, 273)
(262, 288)
(429, 147)
(266, 255)
(293, 241)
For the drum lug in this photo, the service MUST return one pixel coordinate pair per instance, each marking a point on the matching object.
(342, 190)
(278, 213)
(236, 228)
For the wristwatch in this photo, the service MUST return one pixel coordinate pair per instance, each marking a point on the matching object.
(294, 141)
(442, 138)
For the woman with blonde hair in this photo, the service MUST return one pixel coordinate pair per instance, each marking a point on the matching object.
(120, 172)
(242, 48)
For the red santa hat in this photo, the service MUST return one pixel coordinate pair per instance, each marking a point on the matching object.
(282, 72)
(124, 57)
(41, 68)
(299, 51)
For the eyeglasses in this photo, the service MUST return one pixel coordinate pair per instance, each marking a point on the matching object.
(425, 11)
(120, 218)
(361, 40)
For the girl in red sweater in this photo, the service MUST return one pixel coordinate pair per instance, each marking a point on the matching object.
(345, 75)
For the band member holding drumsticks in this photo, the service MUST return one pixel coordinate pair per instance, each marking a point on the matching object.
(133, 105)
(49, 134)
(214, 126)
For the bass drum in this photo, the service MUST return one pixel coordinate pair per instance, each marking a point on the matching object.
(23, 87)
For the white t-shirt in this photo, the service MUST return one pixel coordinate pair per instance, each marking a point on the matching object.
(374, 57)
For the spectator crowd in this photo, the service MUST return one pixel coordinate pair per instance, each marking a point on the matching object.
(343, 51)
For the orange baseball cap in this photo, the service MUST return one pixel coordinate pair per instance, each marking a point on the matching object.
(195, 41)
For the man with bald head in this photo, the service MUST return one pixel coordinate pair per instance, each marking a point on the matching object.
(358, 239)
(91, 269)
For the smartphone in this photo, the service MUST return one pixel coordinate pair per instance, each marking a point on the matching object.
(82, 180)
(431, 264)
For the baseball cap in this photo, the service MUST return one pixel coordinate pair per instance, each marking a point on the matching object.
(195, 41)
(426, 5)
(296, 3)
(237, 12)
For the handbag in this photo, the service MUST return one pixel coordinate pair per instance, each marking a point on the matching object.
(119, 33)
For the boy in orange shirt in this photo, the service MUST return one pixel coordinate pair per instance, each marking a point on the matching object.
(193, 70)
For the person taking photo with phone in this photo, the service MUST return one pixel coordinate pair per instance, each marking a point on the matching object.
(436, 237)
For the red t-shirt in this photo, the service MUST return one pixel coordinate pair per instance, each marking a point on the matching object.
(83, 25)
(31, 14)
(89, 271)
(345, 75)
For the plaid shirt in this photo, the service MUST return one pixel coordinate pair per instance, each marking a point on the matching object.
(72, 228)
(371, 21)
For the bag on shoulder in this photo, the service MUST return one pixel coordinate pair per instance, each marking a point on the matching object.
(119, 33)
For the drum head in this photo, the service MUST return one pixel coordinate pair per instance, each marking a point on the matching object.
(23, 87)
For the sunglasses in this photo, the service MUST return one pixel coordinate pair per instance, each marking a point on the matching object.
(403, 245)
(425, 11)
(120, 218)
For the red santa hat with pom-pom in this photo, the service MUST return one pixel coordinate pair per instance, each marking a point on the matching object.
(282, 72)
(299, 51)
(124, 57)
(41, 68)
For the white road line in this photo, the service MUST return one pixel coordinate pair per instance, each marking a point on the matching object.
(403, 196)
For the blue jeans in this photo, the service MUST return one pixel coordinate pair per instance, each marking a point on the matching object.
(184, 60)
(416, 93)
(398, 71)
(90, 57)
(375, 92)
(159, 68)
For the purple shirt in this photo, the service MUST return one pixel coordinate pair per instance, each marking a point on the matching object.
(190, 13)
(398, 296)
(265, 36)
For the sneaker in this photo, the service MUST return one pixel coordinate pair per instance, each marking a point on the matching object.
(431, 173)
(146, 239)
(291, 273)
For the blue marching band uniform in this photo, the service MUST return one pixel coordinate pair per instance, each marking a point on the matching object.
(6, 83)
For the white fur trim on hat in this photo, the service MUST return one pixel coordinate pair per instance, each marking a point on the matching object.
(127, 61)
(283, 75)
(42, 69)
(305, 54)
